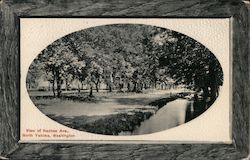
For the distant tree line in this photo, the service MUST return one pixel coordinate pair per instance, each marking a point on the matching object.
(127, 54)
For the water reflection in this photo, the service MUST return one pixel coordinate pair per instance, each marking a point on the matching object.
(196, 108)
(171, 115)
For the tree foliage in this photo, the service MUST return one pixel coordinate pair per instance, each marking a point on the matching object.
(135, 56)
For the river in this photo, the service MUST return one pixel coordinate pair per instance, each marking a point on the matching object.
(169, 116)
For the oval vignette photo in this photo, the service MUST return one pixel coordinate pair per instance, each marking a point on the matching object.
(124, 79)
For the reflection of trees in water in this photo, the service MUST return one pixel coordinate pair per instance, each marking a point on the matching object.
(196, 107)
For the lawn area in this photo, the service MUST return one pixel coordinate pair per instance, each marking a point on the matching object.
(105, 113)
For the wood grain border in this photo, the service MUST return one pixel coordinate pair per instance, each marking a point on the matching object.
(10, 12)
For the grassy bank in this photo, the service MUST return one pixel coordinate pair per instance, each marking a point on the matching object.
(48, 100)
(108, 125)
(115, 123)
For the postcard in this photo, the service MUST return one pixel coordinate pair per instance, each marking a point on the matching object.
(125, 80)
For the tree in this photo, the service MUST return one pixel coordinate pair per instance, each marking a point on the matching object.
(94, 74)
(136, 56)
(33, 75)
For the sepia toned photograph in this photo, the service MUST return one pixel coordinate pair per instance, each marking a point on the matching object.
(124, 79)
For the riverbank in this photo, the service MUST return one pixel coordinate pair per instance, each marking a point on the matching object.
(114, 124)
(105, 113)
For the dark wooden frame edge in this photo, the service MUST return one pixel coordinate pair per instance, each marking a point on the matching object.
(11, 10)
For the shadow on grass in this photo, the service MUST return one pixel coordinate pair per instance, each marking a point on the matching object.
(115, 123)
(107, 124)
(132, 101)
(76, 98)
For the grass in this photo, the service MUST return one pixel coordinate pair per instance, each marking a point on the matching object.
(115, 123)
(124, 120)
(108, 125)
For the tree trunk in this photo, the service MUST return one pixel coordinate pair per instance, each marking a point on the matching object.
(206, 93)
(91, 91)
(78, 88)
(53, 87)
(128, 86)
(120, 87)
(59, 91)
(110, 88)
(141, 87)
(97, 84)
(82, 86)
(96, 87)
(213, 82)
(111, 81)
(66, 84)
(135, 86)
(29, 85)
(53, 82)
(165, 85)
(213, 92)
(58, 82)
